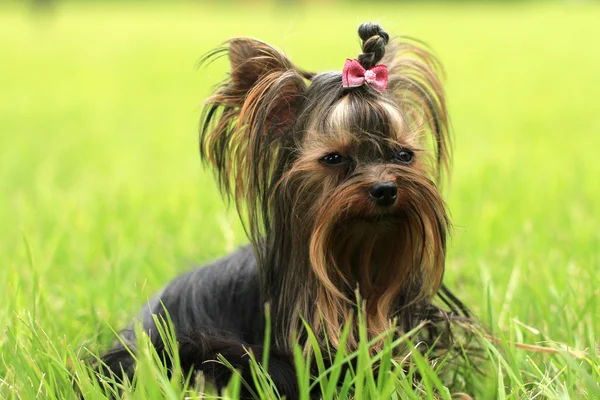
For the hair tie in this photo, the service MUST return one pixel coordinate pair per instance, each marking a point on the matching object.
(354, 75)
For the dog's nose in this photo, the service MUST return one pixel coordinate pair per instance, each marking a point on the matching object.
(384, 193)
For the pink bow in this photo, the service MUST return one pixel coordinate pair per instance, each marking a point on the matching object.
(354, 75)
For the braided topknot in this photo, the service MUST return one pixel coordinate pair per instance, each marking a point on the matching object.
(374, 39)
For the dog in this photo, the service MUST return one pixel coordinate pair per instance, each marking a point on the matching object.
(336, 177)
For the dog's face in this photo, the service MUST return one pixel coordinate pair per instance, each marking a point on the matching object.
(359, 157)
(340, 183)
(360, 187)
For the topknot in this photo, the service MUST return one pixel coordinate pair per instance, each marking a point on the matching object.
(374, 39)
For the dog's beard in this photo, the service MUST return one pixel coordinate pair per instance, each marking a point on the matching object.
(393, 257)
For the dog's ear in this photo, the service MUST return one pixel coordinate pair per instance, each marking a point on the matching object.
(252, 59)
(248, 118)
(415, 81)
(267, 83)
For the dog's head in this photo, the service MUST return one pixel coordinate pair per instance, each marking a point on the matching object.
(338, 170)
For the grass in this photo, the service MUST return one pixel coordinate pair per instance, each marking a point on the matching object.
(103, 200)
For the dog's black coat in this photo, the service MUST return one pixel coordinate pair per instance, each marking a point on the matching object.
(215, 310)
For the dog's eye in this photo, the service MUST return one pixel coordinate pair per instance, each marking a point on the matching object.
(332, 159)
(405, 156)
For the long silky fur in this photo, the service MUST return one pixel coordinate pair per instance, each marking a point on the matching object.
(257, 156)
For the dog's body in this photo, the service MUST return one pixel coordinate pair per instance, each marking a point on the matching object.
(215, 309)
(222, 296)
(336, 182)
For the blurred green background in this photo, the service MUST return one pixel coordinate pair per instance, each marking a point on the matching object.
(103, 199)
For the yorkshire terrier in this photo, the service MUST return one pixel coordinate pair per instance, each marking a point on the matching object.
(336, 177)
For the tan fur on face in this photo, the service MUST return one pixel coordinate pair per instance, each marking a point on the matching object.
(354, 244)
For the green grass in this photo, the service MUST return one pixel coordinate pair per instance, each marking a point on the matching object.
(103, 199)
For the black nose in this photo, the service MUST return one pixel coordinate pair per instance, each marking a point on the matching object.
(384, 193)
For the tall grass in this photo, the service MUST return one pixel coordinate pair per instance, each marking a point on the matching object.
(103, 200)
